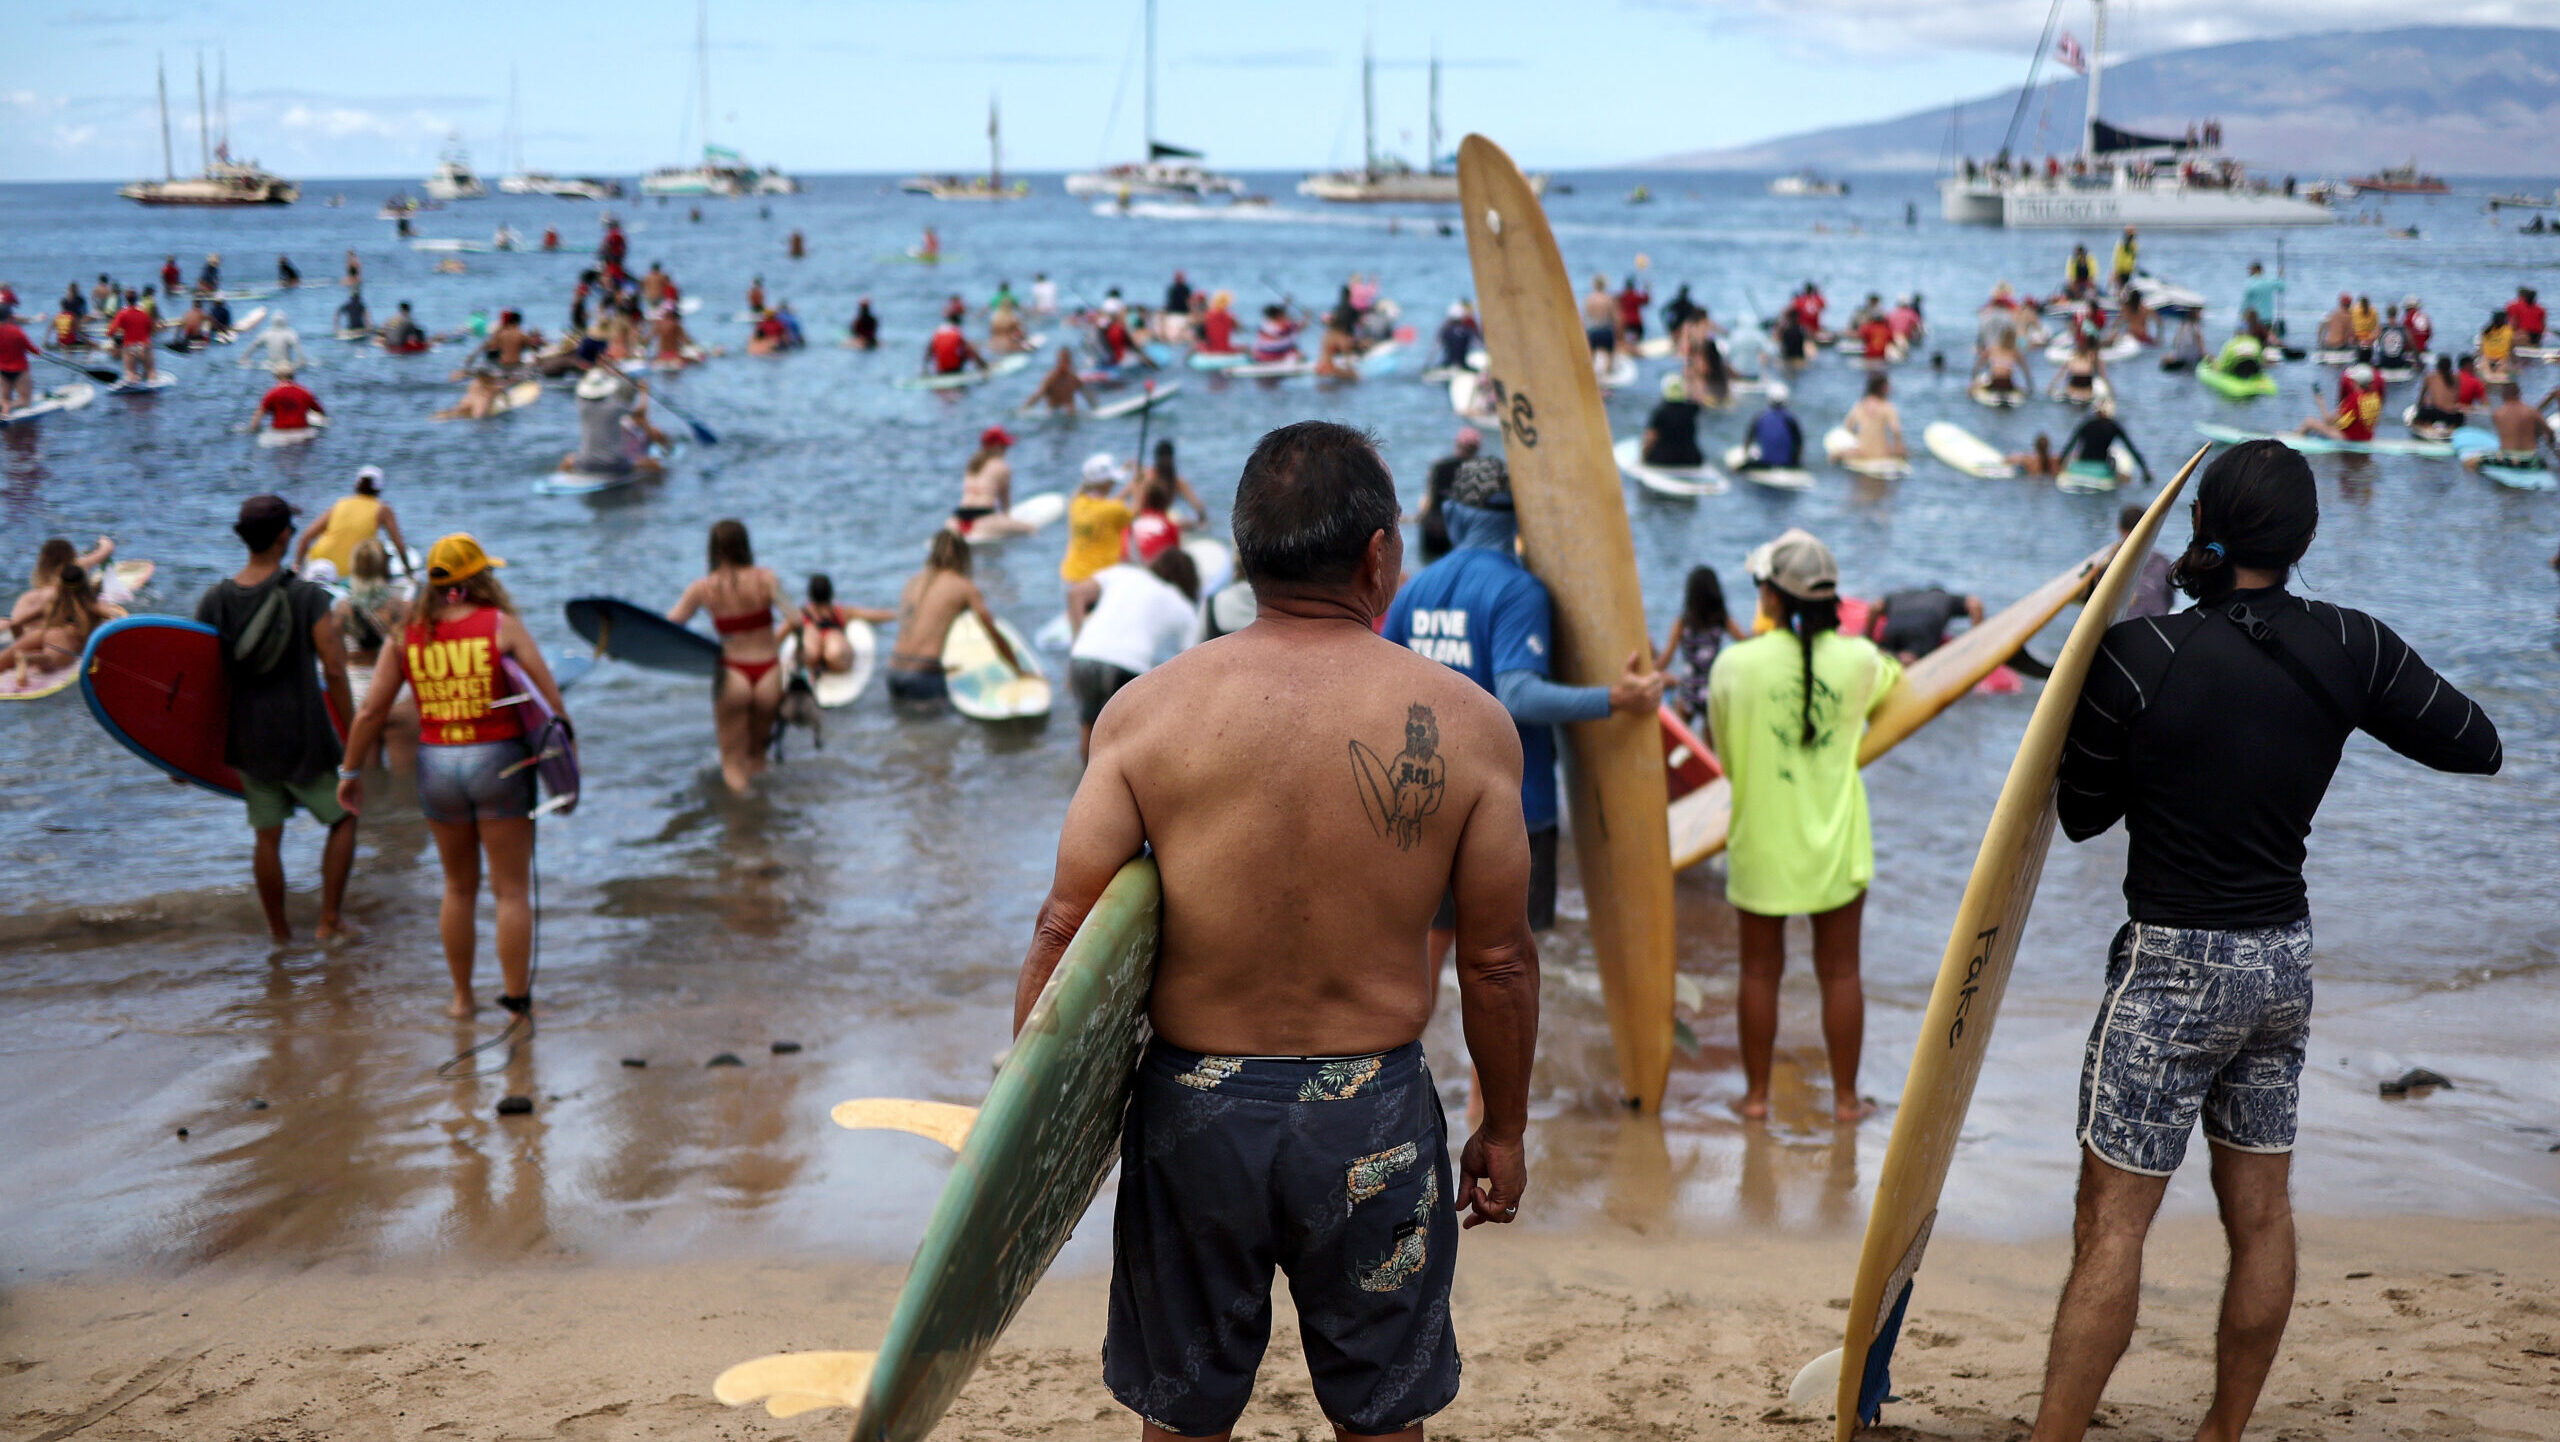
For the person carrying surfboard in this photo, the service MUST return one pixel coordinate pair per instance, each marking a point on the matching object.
(2212, 734)
(1283, 1113)
(1788, 708)
(280, 657)
(1480, 611)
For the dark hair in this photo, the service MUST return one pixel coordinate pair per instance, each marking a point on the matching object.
(1311, 496)
(947, 551)
(56, 553)
(1807, 619)
(1703, 606)
(2129, 517)
(822, 590)
(2444, 366)
(1164, 456)
(729, 545)
(1877, 383)
(1174, 566)
(2257, 506)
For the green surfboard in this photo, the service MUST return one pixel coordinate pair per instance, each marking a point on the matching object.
(1028, 1165)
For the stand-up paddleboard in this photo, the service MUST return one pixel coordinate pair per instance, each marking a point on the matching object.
(1776, 478)
(156, 684)
(642, 638)
(2518, 472)
(1688, 482)
(1381, 359)
(1471, 395)
(1929, 685)
(124, 579)
(61, 398)
(36, 683)
(1034, 512)
(959, 380)
(1031, 1159)
(1202, 360)
(1273, 370)
(2123, 347)
(2095, 477)
(1837, 443)
(1984, 395)
(983, 687)
(1966, 451)
(158, 381)
(1148, 399)
(514, 398)
(1618, 374)
(270, 438)
(839, 688)
(551, 746)
(1573, 526)
(1966, 1000)
(2323, 446)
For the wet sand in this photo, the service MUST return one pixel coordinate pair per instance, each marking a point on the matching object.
(2451, 1329)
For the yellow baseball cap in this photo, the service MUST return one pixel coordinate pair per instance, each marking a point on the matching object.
(457, 558)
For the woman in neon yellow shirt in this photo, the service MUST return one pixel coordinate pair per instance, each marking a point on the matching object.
(1789, 708)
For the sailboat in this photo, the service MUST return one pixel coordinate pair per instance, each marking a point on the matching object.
(991, 186)
(1387, 177)
(2120, 178)
(520, 181)
(224, 182)
(1167, 170)
(721, 171)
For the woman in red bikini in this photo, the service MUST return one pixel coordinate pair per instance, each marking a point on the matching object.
(741, 596)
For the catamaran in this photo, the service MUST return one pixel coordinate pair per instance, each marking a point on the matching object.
(721, 171)
(1168, 169)
(2120, 177)
(1383, 178)
(225, 181)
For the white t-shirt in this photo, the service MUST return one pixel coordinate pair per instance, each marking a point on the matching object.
(1140, 620)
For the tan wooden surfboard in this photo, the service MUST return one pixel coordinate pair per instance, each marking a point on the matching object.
(1974, 972)
(1573, 526)
(1929, 685)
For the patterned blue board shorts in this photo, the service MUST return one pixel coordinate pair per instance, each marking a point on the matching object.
(2210, 1022)
(1336, 1171)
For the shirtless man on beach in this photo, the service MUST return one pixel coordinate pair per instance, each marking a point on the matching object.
(1310, 792)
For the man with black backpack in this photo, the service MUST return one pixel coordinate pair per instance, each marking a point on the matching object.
(279, 646)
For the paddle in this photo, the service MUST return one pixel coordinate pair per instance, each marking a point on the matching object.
(701, 432)
(93, 373)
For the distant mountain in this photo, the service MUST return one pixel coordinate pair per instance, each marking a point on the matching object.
(2477, 101)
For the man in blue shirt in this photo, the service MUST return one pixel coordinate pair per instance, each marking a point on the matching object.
(1480, 611)
(2263, 294)
(1777, 441)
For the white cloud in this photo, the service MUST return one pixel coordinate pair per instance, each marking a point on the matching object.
(1887, 27)
(35, 103)
(73, 137)
(337, 122)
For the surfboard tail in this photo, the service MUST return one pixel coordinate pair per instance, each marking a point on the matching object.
(790, 1383)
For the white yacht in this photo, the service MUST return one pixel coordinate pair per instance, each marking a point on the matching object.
(453, 178)
(1805, 185)
(1168, 170)
(2122, 178)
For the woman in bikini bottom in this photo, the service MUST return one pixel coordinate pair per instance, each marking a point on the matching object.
(740, 597)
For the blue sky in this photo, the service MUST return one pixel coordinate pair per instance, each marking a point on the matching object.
(866, 85)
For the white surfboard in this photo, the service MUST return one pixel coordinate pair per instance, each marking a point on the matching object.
(1776, 478)
(983, 687)
(839, 688)
(1837, 443)
(1966, 451)
(1144, 400)
(1687, 482)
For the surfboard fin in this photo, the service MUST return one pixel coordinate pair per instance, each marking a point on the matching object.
(790, 1383)
(1816, 1389)
(935, 1121)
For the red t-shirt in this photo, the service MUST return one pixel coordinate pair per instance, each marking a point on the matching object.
(949, 349)
(1153, 533)
(1218, 332)
(1808, 308)
(2469, 389)
(2526, 317)
(453, 669)
(14, 347)
(1115, 341)
(1631, 305)
(131, 326)
(288, 407)
(1878, 334)
(770, 328)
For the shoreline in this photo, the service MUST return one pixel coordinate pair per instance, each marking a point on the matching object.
(2452, 1329)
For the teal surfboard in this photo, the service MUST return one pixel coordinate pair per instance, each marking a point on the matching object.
(1030, 1161)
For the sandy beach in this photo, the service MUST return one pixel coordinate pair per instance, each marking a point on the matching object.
(2446, 1329)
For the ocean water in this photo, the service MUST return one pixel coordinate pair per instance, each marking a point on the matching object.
(873, 900)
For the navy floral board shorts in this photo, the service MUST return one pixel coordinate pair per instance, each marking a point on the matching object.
(2209, 1023)
(1335, 1170)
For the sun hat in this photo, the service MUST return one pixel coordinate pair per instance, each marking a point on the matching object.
(598, 384)
(1101, 470)
(369, 481)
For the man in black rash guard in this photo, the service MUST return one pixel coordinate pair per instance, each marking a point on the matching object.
(2212, 733)
(2097, 435)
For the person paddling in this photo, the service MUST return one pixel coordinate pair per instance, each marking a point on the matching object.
(288, 405)
(351, 521)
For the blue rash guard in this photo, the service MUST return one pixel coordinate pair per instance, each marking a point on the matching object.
(1478, 610)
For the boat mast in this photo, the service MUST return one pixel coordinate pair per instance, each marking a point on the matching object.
(204, 134)
(1431, 160)
(702, 70)
(995, 149)
(2097, 68)
(1368, 107)
(515, 138)
(222, 100)
(168, 163)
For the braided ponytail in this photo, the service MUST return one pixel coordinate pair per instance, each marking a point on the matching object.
(1808, 619)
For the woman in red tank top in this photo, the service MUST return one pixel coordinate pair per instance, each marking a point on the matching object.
(475, 777)
(741, 596)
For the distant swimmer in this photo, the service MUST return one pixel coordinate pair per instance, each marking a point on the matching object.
(930, 250)
(286, 275)
(354, 277)
(933, 598)
(1061, 388)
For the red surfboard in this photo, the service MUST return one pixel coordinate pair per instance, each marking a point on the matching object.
(156, 684)
(1692, 764)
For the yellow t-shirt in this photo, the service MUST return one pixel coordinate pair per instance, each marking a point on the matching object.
(1799, 841)
(349, 524)
(1095, 525)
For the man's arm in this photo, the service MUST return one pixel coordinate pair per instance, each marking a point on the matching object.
(2415, 712)
(1103, 831)
(2096, 774)
(333, 665)
(1497, 963)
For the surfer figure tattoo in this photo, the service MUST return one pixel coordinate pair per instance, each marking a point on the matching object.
(1396, 795)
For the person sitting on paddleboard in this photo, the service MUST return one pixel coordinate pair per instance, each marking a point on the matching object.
(2212, 734)
(1698, 636)
(1788, 709)
(864, 333)
(819, 625)
(1283, 1114)
(401, 333)
(349, 522)
(2520, 431)
(2077, 380)
(614, 433)
(1776, 442)
(932, 599)
(287, 406)
(1480, 611)
(1277, 339)
(2440, 407)
(2093, 441)
(986, 490)
(1218, 326)
(2421, 326)
(947, 352)
(2358, 411)
(2338, 327)
(52, 638)
(2391, 344)
(56, 553)
(741, 597)
(1458, 337)
(1671, 431)
(2367, 326)
(475, 783)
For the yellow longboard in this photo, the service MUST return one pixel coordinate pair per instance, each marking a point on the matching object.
(1957, 1030)
(1573, 528)
(1929, 685)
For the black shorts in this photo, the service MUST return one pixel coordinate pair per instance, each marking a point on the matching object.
(1094, 683)
(1334, 1169)
(1542, 887)
(918, 685)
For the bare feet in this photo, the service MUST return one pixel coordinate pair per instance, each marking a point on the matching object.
(1854, 1112)
(462, 1006)
(1754, 1107)
(332, 933)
